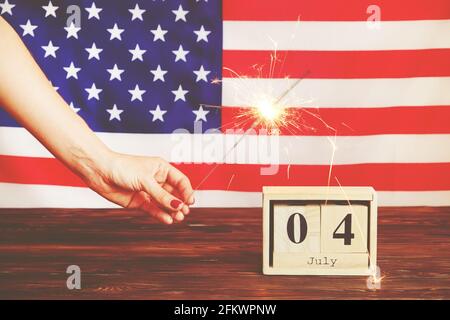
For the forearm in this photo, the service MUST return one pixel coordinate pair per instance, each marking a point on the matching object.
(29, 97)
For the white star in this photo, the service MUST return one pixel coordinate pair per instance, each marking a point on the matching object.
(50, 9)
(94, 52)
(115, 73)
(180, 14)
(200, 114)
(76, 110)
(158, 74)
(137, 13)
(202, 34)
(115, 32)
(50, 50)
(114, 113)
(201, 74)
(137, 53)
(180, 94)
(136, 93)
(28, 29)
(72, 31)
(72, 71)
(93, 92)
(7, 7)
(159, 34)
(180, 54)
(158, 114)
(94, 11)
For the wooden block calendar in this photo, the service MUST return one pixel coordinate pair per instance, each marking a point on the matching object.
(319, 230)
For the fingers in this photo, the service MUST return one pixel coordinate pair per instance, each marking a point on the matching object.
(162, 215)
(185, 209)
(158, 213)
(141, 200)
(164, 199)
(181, 184)
(179, 216)
(169, 195)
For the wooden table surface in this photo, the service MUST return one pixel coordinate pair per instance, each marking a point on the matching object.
(214, 254)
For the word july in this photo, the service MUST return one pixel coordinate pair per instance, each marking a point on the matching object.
(322, 261)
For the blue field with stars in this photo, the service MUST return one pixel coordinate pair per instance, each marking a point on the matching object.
(127, 66)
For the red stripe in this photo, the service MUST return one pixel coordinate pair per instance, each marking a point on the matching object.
(337, 64)
(349, 121)
(37, 171)
(237, 177)
(332, 10)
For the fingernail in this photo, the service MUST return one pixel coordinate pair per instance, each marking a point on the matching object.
(191, 200)
(185, 209)
(169, 220)
(177, 217)
(175, 203)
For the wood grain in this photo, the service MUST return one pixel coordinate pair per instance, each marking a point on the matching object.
(214, 254)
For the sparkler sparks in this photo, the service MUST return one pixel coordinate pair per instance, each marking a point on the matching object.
(273, 113)
(265, 108)
(269, 111)
(374, 280)
(268, 114)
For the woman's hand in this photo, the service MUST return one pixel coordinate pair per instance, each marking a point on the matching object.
(149, 184)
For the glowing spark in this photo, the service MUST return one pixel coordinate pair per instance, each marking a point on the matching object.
(374, 280)
(270, 117)
(269, 113)
(268, 110)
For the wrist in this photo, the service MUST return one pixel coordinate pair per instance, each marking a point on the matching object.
(91, 163)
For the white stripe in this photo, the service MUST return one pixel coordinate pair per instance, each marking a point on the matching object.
(38, 196)
(433, 148)
(45, 196)
(335, 35)
(338, 93)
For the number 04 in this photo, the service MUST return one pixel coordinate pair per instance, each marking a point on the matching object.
(347, 235)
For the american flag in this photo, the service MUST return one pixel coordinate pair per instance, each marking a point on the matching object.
(136, 71)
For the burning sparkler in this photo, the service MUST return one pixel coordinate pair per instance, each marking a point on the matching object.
(268, 109)
(266, 112)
